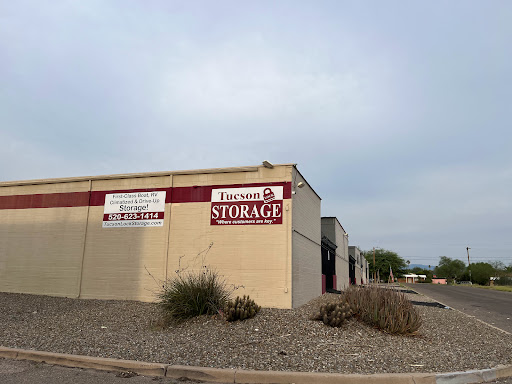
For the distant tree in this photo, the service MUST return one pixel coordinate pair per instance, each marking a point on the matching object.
(504, 280)
(481, 273)
(500, 269)
(383, 260)
(452, 269)
(417, 270)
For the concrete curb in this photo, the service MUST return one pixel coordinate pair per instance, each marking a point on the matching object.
(214, 375)
(79, 361)
(241, 376)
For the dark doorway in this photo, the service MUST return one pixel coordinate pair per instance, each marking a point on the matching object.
(352, 270)
(329, 263)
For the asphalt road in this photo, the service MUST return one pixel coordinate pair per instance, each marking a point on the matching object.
(28, 372)
(493, 307)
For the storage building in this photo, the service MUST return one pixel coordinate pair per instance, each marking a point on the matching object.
(121, 236)
(335, 258)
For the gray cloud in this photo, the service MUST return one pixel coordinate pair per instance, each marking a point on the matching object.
(396, 113)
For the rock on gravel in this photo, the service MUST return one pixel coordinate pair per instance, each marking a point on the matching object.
(275, 339)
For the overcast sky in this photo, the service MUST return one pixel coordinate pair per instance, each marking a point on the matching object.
(398, 113)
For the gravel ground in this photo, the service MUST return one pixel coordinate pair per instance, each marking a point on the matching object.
(274, 340)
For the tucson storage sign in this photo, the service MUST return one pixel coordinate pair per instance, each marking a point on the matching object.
(246, 206)
(134, 209)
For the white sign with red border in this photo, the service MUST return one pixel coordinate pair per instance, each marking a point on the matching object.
(134, 209)
(247, 206)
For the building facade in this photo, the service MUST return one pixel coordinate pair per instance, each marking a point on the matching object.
(121, 236)
(361, 269)
(335, 256)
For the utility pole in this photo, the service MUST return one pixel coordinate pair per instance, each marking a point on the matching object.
(469, 263)
(374, 272)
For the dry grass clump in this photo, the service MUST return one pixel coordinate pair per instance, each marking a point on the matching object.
(386, 309)
(187, 295)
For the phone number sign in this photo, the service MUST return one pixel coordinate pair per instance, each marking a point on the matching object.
(247, 206)
(134, 209)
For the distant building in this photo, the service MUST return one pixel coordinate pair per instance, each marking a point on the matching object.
(360, 266)
(413, 278)
(335, 259)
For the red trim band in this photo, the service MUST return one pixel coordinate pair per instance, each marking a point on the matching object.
(47, 200)
(194, 194)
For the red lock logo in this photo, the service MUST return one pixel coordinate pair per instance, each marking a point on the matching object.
(268, 195)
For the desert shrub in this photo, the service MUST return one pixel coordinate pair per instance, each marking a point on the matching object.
(241, 308)
(334, 313)
(192, 294)
(386, 309)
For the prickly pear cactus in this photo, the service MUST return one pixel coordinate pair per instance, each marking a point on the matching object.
(241, 308)
(334, 314)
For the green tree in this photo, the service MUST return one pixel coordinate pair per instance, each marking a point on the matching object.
(500, 269)
(383, 260)
(452, 269)
(481, 273)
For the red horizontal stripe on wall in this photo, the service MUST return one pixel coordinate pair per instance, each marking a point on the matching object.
(195, 194)
(202, 194)
(47, 200)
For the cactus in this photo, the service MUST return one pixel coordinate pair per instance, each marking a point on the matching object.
(334, 313)
(241, 308)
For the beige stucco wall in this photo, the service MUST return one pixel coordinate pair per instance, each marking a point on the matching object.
(255, 258)
(30, 189)
(365, 269)
(306, 235)
(255, 175)
(359, 275)
(42, 250)
(342, 267)
(123, 263)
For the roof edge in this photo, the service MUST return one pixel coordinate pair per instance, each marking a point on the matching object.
(301, 175)
(335, 217)
(251, 168)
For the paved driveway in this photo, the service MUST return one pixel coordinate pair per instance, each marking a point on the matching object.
(493, 307)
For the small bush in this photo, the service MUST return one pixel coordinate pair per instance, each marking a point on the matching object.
(193, 294)
(334, 314)
(386, 309)
(241, 309)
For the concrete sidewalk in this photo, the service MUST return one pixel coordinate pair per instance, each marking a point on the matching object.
(249, 376)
